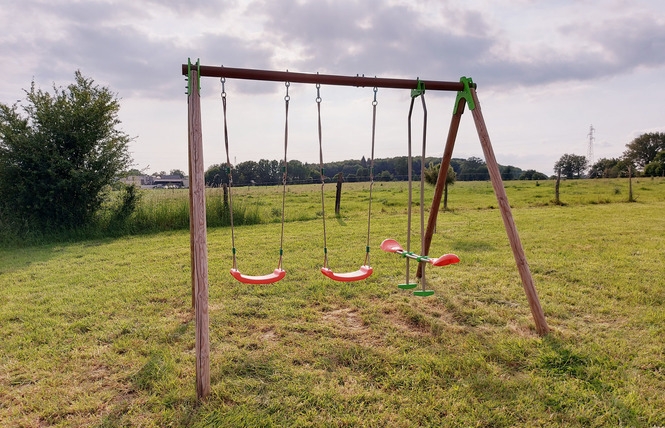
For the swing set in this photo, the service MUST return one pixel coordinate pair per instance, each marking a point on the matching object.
(466, 95)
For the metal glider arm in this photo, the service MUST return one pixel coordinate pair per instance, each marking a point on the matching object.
(392, 246)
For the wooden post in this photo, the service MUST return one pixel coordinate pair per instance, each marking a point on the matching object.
(509, 223)
(556, 187)
(338, 194)
(441, 179)
(630, 184)
(199, 241)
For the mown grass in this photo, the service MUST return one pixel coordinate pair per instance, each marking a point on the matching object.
(101, 332)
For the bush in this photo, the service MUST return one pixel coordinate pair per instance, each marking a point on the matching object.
(57, 157)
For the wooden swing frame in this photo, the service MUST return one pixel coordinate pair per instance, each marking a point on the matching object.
(466, 95)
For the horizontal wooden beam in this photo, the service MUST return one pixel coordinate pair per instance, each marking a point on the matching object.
(323, 79)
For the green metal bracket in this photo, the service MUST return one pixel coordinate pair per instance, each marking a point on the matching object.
(466, 94)
(420, 89)
(422, 259)
(407, 286)
(189, 75)
(423, 293)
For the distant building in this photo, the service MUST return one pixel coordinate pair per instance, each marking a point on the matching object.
(156, 182)
(138, 180)
(171, 182)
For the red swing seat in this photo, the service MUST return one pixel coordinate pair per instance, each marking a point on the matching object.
(362, 273)
(277, 275)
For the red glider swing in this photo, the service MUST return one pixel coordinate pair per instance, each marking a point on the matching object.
(392, 246)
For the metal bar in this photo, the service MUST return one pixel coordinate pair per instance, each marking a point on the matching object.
(442, 177)
(324, 79)
(421, 259)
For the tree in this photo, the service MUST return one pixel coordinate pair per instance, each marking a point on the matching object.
(473, 169)
(384, 176)
(532, 174)
(432, 173)
(362, 173)
(177, 172)
(298, 173)
(643, 149)
(509, 172)
(656, 168)
(215, 175)
(244, 173)
(610, 168)
(432, 176)
(571, 166)
(56, 161)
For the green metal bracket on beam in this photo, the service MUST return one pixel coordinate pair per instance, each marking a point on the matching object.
(189, 75)
(466, 94)
(420, 89)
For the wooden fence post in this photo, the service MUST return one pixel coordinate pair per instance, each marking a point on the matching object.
(338, 194)
(630, 184)
(556, 187)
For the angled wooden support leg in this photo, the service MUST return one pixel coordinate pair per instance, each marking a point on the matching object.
(509, 223)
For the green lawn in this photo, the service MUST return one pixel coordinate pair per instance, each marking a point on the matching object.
(101, 332)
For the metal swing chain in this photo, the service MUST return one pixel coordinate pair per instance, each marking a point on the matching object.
(371, 175)
(228, 169)
(422, 185)
(409, 172)
(287, 98)
(323, 178)
(422, 192)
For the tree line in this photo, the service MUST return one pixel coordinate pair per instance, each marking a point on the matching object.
(644, 155)
(270, 172)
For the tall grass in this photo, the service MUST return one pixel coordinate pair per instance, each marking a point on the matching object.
(159, 210)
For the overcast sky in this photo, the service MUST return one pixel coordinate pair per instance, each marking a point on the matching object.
(546, 71)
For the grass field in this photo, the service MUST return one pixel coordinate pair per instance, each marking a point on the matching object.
(101, 332)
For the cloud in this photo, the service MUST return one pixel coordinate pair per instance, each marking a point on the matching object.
(113, 44)
(399, 38)
(137, 48)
